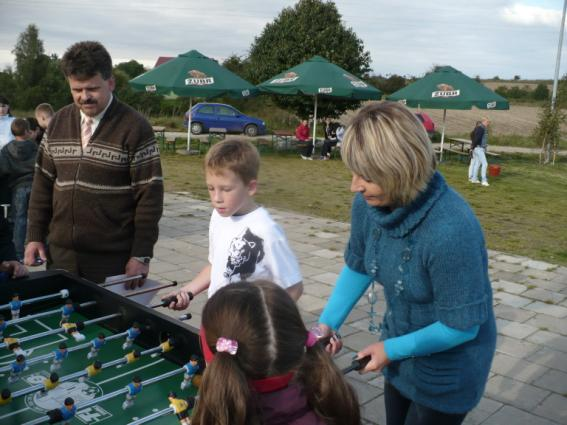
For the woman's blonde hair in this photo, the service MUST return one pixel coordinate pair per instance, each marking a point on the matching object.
(387, 145)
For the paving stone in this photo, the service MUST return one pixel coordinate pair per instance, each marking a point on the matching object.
(509, 259)
(549, 309)
(364, 391)
(162, 266)
(553, 380)
(513, 329)
(539, 265)
(310, 303)
(510, 299)
(496, 274)
(358, 341)
(374, 412)
(181, 275)
(549, 323)
(553, 407)
(515, 393)
(550, 358)
(510, 287)
(544, 295)
(327, 277)
(515, 347)
(507, 267)
(506, 312)
(518, 369)
(318, 290)
(538, 274)
(326, 253)
(549, 339)
(509, 415)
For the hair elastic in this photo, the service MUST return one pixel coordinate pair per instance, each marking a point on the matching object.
(311, 340)
(226, 345)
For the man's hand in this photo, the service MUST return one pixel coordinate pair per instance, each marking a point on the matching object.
(14, 268)
(379, 359)
(35, 251)
(134, 268)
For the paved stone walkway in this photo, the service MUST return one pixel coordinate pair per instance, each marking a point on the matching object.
(528, 381)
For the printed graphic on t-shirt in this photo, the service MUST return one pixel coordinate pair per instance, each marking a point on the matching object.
(245, 251)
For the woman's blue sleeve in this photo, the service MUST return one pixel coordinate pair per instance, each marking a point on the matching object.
(349, 288)
(434, 338)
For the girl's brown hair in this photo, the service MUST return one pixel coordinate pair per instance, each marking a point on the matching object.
(271, 337)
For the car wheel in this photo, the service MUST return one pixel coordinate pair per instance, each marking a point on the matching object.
(196, 128)
(251, 130)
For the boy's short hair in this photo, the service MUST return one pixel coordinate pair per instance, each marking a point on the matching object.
(386, 144)
(44, 108)
(236, 155)
(20, 127)
(85, 59)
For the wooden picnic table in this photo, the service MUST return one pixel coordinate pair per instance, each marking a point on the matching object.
(282, 138)
(463, 146)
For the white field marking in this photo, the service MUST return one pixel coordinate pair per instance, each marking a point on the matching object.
(43, 325)
(129, 372)
(7, 415)
(22, 330)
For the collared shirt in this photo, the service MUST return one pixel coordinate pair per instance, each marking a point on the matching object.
(96, 119)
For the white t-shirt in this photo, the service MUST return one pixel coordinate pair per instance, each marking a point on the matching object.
(250, 247)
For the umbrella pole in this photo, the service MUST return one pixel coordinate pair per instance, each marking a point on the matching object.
(442, 136)
(314, 127)
(189, 125)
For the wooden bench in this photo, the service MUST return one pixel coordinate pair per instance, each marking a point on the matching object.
(281, 139)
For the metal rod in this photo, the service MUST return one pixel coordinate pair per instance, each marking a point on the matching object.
(148, 418)
(63, 293)
(558, 59)
(124, 280)
(44, 314)
(155, 289)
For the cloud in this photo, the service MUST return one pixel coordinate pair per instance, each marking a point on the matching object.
(531, 15)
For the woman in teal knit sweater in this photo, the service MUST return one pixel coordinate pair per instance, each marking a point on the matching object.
(420, 240)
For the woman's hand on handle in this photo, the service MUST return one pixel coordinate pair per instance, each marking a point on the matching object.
(379, 359)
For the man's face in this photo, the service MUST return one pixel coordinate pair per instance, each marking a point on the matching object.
(4, 108)
(91, 95)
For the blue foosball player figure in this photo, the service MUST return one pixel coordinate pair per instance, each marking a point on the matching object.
(58, 356)
(3, 325)
(5, 397)
(134, 388)
(191, 368)
(132, 334)
(15, 306)
(16, 368)
(180, 408)
(96, 344)
(64, 413)
(67, 310)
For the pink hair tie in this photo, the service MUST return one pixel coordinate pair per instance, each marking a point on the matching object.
(311, 339)
(225, 345)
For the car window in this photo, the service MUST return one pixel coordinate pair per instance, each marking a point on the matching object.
(420, 117)
(206, 110)
(223, 110)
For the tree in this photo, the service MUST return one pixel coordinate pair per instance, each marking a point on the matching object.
(237, 65)
(131, 68)
(541, 92)
(516, 77)
(311, 27)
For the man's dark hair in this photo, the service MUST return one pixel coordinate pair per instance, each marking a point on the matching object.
(20, 127)
(85, 59)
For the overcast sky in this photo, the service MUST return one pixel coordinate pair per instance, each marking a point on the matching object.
(478, 37)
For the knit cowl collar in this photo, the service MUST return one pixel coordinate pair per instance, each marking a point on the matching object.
(401, 221)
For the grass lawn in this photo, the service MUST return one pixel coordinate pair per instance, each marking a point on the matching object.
(524, 211)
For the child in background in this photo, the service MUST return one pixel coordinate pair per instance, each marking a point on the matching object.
(244, 241)
(43, 114)
(264, 367)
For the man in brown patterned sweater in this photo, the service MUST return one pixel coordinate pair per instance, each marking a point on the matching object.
(97, 193)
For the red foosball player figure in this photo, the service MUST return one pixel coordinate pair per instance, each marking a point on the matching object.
(134, 388)
(64, 413)
(5, 397)
(92, 370)
(58, 356)
(15, 306)
(96, 345)
(191, 368)
(16, 368)
(50, 383)
(180, 408)
(132, 334)
(132, 357)
(73, 330)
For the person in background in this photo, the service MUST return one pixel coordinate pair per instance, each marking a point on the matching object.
(17, 164)
(98, 173)
(478, 146)
(330, 138)
(43, 114)
(36, 132)
(10, 267)
(304, 140)
(6, 119)
(421, 241)
(264, 367)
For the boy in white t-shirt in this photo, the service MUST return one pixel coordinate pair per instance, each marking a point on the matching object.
(245, 243)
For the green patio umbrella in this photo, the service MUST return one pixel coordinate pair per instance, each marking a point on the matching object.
(448, 88)
(319, 77)
(192, 74)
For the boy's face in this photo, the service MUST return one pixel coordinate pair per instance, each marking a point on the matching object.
(42, 119)
(229, 195)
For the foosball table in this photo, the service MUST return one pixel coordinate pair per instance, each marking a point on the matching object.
(75, 352)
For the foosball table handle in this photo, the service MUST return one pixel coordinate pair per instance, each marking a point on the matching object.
(173, 298)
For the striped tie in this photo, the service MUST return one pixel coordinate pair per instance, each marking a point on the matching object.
(86, 131)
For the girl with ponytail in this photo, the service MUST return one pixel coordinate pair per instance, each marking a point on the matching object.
(264, 367)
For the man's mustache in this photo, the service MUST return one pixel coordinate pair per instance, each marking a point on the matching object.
(89, 102)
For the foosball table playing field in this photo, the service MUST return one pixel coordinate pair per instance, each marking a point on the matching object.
(75, 352)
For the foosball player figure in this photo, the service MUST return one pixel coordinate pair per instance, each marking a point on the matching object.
(3, 325)
(73, 329)
(16, 368)
(64, 413)
(180, 408)
(131, 335)
(15, 306)
(50, 383)
(92, 370)
(58, 356)
(13, 344)
(191, 368)
(134, 388)
(96, 345)
(165, 346)
(5, 397)
(132, 357)
(67, 309)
